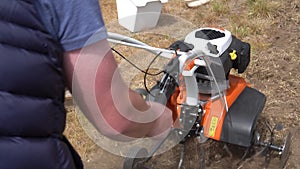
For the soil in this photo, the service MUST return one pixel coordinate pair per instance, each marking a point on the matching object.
(274, 70)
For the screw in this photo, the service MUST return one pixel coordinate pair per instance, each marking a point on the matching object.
(199, 110)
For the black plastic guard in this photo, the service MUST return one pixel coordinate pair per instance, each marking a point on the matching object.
(240, 121)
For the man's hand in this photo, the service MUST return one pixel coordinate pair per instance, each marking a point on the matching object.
(115, 110)
(163, 123)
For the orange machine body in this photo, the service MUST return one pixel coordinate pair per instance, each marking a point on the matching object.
(214, 110)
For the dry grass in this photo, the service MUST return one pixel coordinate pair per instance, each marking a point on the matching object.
(272, 29)
(75, 133)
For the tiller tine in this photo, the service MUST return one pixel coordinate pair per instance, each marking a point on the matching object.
(283, 150)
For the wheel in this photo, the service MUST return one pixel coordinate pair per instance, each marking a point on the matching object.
(135, 158)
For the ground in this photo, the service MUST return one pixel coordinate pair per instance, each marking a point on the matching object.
(272, 28)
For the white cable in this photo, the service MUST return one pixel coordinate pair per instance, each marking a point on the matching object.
(218, 88)
(166, 53)
(127, 41)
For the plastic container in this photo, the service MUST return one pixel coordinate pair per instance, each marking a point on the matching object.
(138, 15)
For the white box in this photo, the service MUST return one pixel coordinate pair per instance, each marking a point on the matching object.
(138, 15)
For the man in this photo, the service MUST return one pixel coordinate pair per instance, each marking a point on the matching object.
(44, 46)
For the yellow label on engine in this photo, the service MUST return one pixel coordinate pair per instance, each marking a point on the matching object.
(213, 126)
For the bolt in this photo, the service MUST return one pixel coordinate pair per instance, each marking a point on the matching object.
(199, 110)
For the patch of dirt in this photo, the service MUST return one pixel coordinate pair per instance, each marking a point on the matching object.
(216, 157)
(274, 70)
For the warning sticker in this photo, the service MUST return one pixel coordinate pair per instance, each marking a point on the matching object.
(213, 126)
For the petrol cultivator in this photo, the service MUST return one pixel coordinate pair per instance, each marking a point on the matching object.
(208, 102)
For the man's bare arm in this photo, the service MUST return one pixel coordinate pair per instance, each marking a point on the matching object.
(94, 78)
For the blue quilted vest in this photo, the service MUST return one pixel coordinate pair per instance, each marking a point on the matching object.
(32, 114)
